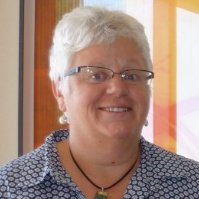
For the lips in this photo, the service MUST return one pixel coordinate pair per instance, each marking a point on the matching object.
(116, 109)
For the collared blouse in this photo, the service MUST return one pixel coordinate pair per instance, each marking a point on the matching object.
(39, 174)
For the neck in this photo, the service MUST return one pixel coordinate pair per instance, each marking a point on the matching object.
(104, 177)
(93, 183)
(104, 151)
(104, 166)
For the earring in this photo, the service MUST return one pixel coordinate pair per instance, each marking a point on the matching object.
(63, 119)
(146, 123)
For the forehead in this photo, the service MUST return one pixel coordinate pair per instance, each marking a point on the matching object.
(121, 52)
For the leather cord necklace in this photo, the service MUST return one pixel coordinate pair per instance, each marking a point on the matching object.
(102, 194)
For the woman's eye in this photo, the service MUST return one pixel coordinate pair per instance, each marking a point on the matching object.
(98, 76)
(133, 77)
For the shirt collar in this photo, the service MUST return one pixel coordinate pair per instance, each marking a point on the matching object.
(47, 156)
(153, 155)
(49, 162)
(149, 174)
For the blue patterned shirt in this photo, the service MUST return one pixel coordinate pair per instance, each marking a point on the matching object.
(39, 175)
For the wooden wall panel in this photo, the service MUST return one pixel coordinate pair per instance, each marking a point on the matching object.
(45, 110)
(46, 113)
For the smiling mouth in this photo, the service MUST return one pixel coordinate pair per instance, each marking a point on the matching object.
(116, 109)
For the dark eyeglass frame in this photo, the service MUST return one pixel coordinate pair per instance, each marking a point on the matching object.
(76, 70)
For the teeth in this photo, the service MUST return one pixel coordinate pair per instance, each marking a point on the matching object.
(116, 109)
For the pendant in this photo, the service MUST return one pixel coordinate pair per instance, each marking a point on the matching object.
(101, 195)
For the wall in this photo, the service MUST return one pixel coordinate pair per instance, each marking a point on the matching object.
(9, 45)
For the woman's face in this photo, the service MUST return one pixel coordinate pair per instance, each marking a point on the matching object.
(112, 109)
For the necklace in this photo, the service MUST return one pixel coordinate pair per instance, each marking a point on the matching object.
(102, 194)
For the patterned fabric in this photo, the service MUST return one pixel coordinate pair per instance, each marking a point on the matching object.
(39, 175)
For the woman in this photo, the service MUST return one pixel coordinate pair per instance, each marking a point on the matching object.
(101, 71)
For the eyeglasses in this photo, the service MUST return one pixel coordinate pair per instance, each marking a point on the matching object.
(98, 74)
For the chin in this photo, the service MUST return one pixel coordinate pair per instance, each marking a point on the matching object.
(120, 132)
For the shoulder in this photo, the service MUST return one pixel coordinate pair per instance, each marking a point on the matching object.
(173, 164)
(31, 168)
(17, 171)
(163, 174)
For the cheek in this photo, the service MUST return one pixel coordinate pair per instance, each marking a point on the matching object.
(141, 94)
(146, 101)
(142, 99)
(79, 96)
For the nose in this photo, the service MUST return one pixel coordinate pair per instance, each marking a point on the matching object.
(117, 86)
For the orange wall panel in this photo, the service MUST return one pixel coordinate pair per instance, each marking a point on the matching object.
(164, 59)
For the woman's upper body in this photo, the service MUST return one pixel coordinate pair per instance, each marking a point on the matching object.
(104, 92)
(100, 68)
(41, 174)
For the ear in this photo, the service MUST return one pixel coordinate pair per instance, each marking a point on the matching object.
(58, 95)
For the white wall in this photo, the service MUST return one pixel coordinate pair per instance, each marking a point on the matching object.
(9, 45)
(187, 83)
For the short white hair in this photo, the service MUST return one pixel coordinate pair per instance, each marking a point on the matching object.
(92, 25)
